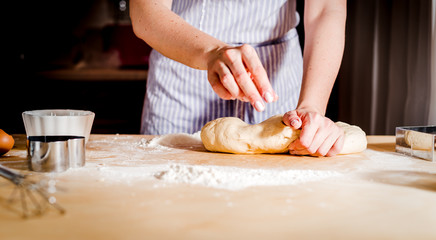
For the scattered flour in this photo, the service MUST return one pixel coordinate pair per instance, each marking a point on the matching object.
(222, 177)
(234, 178)
(387, 161)
(153, 143)
(131, 161)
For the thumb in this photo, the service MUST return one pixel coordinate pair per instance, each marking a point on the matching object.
(292, 119)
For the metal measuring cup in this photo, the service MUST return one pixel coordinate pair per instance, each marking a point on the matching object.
(56, 138)
(55, 153)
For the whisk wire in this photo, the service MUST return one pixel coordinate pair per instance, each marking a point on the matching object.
(25, 190)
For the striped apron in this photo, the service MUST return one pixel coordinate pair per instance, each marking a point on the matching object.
(179, 98)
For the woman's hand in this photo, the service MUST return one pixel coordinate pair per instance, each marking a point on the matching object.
(319, 135)
(237, 73)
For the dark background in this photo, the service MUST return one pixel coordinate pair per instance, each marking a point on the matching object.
(42, 37)
(75, 36)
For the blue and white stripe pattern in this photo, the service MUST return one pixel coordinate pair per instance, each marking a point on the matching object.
(180, 99)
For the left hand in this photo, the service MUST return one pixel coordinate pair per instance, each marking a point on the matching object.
(319, 135)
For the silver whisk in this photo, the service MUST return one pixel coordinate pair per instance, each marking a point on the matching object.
(33, 196)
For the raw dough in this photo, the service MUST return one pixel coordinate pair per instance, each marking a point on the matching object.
(232, 135)
(419, 141)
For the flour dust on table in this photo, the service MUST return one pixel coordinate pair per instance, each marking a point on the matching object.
(135, 160)
(164, 161)
(220, 177)
(235, 178)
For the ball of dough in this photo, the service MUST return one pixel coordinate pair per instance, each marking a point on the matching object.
(354, 138)
(419, 140)
(232, 135)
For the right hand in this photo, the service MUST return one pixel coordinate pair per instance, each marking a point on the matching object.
(319, 135)
(237, 73)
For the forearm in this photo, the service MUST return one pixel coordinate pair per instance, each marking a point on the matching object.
(323, 51)
(155, 23)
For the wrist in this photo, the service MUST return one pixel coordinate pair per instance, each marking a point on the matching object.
(306, 107)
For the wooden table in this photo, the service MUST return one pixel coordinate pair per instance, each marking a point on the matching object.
(379, 195)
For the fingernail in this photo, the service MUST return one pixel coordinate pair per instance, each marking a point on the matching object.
(259, 106)
(294, 122)
(268, 97)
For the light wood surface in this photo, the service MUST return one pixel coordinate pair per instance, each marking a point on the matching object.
(379, 195)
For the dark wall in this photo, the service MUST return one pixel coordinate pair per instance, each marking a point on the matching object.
(50, 35)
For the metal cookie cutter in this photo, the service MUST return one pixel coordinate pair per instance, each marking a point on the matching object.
(55, 153)
(418, 141)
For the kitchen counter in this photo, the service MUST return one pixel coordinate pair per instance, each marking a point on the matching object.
(169, 187)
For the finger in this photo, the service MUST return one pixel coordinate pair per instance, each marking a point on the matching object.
(237, 68)
(218, 88)
(307, 134)
(328, 143)
(304, 153)
(229, 83)
(322, 136)
(258, 73)
(292, 119)
(337, 147)
(300, 152)
(296, 146)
